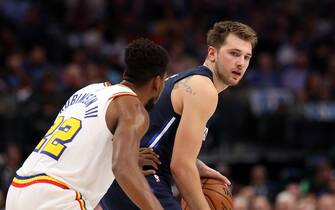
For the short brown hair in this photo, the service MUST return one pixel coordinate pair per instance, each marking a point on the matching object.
(218, 34)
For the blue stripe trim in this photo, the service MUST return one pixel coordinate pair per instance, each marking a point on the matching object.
(153, 138)
(161, 134)
(29, 177)
(91, 116)
(88, 113)
(160, 130)
(156, 145)
(91, 109)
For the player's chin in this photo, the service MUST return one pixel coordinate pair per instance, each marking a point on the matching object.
(234, 82)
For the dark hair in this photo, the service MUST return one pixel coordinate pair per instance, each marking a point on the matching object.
(144, 60)
(218, 34)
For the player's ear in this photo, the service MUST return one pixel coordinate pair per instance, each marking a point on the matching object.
(211, 53)
(158, 83)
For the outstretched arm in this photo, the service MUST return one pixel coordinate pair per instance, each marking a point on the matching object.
(130, 126)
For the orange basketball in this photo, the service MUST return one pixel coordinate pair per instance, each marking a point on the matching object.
(217, 194)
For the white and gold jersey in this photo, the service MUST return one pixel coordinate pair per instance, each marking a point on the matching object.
(77, 149)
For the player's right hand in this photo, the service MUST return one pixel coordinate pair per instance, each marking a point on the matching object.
(147, 157)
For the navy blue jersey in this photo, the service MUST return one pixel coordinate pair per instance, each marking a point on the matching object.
(160, 136)
(164, 122)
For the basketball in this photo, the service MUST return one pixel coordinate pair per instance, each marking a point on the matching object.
(217, 194)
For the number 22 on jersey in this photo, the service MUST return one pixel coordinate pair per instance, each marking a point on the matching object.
(60, 133)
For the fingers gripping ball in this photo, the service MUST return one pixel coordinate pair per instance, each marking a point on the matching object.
(217, 194)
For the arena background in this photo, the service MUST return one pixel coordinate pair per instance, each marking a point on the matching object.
(273, 135)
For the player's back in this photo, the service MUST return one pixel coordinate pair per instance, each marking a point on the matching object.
(77, 149)
(164, 122)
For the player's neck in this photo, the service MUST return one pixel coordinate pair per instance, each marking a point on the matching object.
(140, 91)
(218, 84)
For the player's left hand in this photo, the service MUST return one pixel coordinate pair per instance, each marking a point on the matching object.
(147, 157)
(207, 172)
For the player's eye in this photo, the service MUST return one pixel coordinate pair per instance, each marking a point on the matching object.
(235, 54)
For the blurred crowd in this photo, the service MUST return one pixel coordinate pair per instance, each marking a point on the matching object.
(49, 49)
(314, 191)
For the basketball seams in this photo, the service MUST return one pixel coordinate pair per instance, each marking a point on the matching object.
(210, 189)
(224, 196)
(210, 202)
(217, 194)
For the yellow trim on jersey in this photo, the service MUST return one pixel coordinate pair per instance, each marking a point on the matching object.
(80, 200)
(24, 181)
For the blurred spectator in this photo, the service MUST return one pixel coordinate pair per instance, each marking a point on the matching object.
(326, 202)
(263, 75)
(288, 51)
(294, 189)
(94, 73)
(72, 79)
(331, 184)
(179, 60)
(322, 177)
(36, 63)
(15, 10)
(260, 183)
(260, 203)
(330, 77)
(307, 203)
(2, 200)
(285, 201)
(293, 77)
(13, 73)
(315, 89)
(240, 203)
(319, 54)
(12, 161)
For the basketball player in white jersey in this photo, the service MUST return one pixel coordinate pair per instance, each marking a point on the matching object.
(94, 140)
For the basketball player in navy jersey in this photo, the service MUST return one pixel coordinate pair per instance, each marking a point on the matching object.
(178, 120)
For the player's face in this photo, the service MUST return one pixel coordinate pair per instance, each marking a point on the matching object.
(232, 60)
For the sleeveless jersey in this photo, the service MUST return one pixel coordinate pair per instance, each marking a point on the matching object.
(77, 149)
(164, 122)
